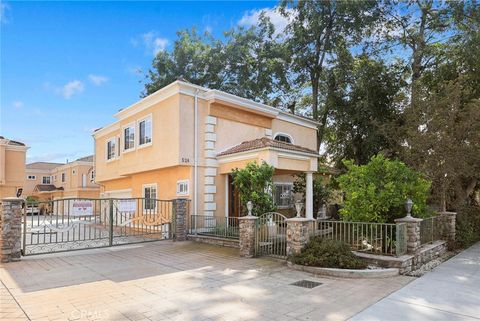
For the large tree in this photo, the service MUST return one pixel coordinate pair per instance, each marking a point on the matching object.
(444, 139)
(366, 95)
(315, 31)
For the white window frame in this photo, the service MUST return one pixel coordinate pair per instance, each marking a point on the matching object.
(154, 209)
(115, 141)
(284, 134)
(276, 185)
(148, 117)
(49, 180)
(132, 127)
(31, 177)
(64, 177)
(186, 183)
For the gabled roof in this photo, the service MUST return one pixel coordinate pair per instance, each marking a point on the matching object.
(47, 188)
(266, 142)
(85, 159)
(43, 165)
(11, 142)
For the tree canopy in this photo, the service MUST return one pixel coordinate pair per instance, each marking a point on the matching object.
(401, 78)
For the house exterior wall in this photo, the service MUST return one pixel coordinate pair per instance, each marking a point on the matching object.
(171, 156)
(12, 169)
(73, 186)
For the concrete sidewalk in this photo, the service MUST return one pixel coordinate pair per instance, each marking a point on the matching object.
(450, 292)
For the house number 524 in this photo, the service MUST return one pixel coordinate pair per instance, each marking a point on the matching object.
(185, 160)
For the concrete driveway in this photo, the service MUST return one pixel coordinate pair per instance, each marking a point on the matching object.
(175, 281)
(449, 292)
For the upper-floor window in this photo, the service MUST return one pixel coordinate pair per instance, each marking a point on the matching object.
(46, 180)
(74, 172)
(63, 177)
(128, 138)
(111, 148)
(31, 177)
(92, 175)
(145, 131)
(283, 195)
(182, 187)
(284, 138)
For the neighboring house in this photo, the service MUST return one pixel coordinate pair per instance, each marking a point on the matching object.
(12, 167)
(185, 140)
(49, 181)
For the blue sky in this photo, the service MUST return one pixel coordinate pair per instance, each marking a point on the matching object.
(67, 67)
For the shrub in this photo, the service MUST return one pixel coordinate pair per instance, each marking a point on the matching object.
(467, 226)
(377, 191)
(255, 183)
(323, 252)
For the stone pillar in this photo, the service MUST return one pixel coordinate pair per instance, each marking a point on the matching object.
(448, 221)
(247, 235)
(413, 232)
(10, 229)
(299, 230)
(309, 196)
(180, 208)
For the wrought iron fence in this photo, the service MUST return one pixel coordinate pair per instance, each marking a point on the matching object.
(226, 227)
(74, 223)
(430, 230)
(377, 238)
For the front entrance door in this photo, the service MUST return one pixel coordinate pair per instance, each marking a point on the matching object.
(234, 204)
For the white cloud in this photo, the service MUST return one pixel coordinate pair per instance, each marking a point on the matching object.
(17, 104)
(4, 12)
(252, 18)
(97, 80)
(71, 88)
(152, 43)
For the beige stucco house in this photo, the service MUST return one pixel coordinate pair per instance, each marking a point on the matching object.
(49, 181)
(184, 141)
(12, 167)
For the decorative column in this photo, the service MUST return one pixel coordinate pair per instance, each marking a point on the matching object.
(10, 229)
(448, 220)
(180, 207)
(309, 196)
(247, 235)
(299, 230)
(413, 232)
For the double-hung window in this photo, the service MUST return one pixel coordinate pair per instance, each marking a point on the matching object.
(150, 197)
(182, 188)
(283, 195)
(111, 148)
(128, 138)
(46, 180)
(145, 131)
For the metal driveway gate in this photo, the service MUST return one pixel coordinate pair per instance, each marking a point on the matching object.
(271, 235)
(74, 224)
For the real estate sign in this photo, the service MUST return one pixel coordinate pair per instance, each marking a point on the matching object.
(127, 205)
(82, 208)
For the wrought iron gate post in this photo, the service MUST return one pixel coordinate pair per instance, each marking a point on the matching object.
(110, 219)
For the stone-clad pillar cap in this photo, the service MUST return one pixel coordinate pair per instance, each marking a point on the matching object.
(248, 217)
(408, 219)
(12, 199)
(300, 219)
(448, 213)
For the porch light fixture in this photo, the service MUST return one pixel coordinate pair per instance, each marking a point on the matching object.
(408, 207)
(298, 207)
(249, 208)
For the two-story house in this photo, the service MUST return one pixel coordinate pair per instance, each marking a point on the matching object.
(49, 181)
(184, 141)
(12, 167)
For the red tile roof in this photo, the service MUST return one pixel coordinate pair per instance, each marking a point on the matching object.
(47, 188)
(266, 142)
